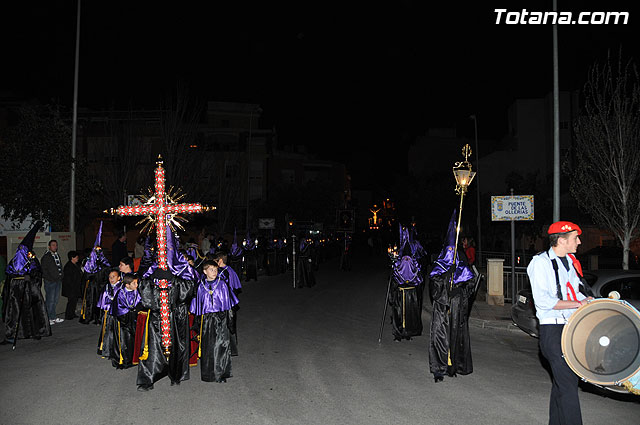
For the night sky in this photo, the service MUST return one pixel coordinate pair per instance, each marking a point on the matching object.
(338, 77)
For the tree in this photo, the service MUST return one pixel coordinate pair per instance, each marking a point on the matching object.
(37, 168)
(122, 153)
(605, 171)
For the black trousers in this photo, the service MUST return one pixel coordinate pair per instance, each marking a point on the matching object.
(70, 311)
(564, 405)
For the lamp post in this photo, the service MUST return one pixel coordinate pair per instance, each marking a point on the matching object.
(464, 176)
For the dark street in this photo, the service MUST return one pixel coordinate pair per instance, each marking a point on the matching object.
(307, 356)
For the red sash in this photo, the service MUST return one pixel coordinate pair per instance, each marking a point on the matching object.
(141, 324)
(193, 359)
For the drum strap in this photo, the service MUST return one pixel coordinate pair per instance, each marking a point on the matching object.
(555, 269)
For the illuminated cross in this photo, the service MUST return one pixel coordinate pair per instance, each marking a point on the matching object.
(158, 212)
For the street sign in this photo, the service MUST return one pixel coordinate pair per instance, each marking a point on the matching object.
(508, 208)
(345, 220)
(266, 223)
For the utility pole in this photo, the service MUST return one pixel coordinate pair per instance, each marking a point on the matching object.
(556, 124)
(74, 131)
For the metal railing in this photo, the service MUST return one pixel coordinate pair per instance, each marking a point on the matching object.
(522, 281)
(522, 260)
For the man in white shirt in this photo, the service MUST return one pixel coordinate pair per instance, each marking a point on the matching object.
(555, 285)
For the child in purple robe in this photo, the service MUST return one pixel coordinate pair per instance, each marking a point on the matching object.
(125, 309)
(211, 307)
(105, 342)
(230, 277)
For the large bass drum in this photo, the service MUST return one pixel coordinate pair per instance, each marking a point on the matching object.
(601, 343)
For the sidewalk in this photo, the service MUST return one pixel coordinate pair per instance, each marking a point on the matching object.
(484, 315)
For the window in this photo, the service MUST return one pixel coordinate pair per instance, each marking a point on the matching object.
(629, 288)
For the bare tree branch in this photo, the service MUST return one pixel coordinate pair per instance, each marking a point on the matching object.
(606, 172)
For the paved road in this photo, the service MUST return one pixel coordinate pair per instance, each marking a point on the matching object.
(307, 356)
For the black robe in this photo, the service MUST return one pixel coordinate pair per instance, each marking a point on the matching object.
(107, 340)
(406, 309)
(450, 343)
(92, 287)
(156, 365)
(271, 260)
(215, 346)
(22, 297)
(281, 260)
(251, 265)
(125, 332)
(236, 264)
(304, 269)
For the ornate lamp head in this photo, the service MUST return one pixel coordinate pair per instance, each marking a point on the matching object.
(463, 173)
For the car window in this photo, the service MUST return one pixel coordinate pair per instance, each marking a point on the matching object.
(629, 288)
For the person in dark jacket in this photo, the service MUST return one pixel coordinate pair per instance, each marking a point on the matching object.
(119, 248)
(72, 284)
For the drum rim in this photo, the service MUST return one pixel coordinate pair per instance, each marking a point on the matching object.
(570, 325)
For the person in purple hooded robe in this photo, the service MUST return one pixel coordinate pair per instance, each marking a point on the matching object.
(231, 279)
(304, 265)
(95, 272)
(154, 363)
(250, 247)
(236, 255)
(405, 296)
(213, 303)
(23, 309)
(450, 345)
(106, 347)
(124, 308)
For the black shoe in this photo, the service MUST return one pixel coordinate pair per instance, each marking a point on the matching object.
(145, 387)
(438, 378)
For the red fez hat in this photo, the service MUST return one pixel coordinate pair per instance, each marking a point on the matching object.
(564, 227)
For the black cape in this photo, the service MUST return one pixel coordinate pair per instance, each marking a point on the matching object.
(450, 343)
(156, 365)
(22, 301)
(406, 309)
(92, 286)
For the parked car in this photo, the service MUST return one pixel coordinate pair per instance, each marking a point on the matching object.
(597, 283)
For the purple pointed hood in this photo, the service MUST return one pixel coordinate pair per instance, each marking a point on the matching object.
(148, 257)
(97, 260)
(250, 245)
(25, 261)
(404, 246)
(417, 251)
(178, 264)
(445, 259)
(236, 250)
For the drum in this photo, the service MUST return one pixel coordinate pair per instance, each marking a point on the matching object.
(601, 344)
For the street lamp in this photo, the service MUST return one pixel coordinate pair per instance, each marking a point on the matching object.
(464, 176)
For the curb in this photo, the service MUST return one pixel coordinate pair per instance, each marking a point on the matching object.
(507, 325)
(494, 324)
